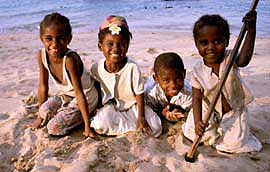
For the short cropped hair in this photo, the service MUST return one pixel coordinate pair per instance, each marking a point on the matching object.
(212, 20)
(56, 18)
(168, 60)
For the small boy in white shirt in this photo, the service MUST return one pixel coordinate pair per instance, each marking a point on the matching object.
(167, 92)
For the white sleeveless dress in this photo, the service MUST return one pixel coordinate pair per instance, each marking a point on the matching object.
(62, 110)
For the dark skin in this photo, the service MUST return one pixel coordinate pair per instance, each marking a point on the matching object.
(171, 82)
(55, 43)
(211, 45)
(114, 48)
(142, 124)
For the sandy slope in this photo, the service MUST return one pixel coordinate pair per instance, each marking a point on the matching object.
(22, 149)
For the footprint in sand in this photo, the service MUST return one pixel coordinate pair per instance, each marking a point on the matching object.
(152, 51)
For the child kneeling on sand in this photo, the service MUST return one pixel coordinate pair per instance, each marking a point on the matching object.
(121, 85)
(167, 91)
(230, 122)
(78, 96)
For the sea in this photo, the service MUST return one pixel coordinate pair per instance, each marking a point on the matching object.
(19, 16)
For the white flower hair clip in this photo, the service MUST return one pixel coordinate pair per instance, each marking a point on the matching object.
(115, 29)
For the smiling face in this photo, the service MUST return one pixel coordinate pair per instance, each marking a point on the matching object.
(171, 81)
(211, 44)
(55, 40)
(114, 48)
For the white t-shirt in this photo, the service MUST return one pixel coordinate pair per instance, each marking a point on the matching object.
(156, 99)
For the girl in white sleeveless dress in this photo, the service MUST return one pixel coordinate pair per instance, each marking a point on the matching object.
(77, 97)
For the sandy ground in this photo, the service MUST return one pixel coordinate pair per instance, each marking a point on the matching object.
(22, 149)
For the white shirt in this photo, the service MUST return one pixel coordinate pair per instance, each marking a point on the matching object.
(156, 98)
(122, 86)
(234, 89)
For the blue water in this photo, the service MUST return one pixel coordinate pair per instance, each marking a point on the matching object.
(152, 15)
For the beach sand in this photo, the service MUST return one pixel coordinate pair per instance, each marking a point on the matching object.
(22, 149)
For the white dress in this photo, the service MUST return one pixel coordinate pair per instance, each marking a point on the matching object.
(62, 109)
(234, 128)
(119, 113)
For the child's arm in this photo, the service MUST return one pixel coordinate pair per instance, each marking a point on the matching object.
(197, 111)
(73, 66)
(98, 88)
(142, 123)
(43, 86)
(248, 45)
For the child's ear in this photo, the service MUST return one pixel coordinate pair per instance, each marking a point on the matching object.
(99, 46)
(155, 77)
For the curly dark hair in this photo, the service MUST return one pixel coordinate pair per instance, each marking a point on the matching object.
(56, 18)
(168, 60)
(124, 31)
(212, 20)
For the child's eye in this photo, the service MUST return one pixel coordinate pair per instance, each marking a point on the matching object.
(217, 41)
(179, 79)
(165, 81)
(47, 38)
(122, 45)
(203, 42)
(61, 38)
(109, 44)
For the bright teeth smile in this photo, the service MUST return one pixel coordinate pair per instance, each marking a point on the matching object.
(54, 50)
(115, 55)
(173, 91)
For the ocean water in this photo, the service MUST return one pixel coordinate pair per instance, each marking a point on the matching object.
(153, 15)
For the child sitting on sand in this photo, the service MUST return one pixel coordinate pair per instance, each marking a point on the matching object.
(78, 96)
(167, 91)
(121, 85)
(211, 34)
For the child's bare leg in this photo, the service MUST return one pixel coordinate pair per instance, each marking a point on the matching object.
(92, 134)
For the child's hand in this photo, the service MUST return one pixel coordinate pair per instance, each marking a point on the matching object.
(199, 128)
(173, 115)
(250, 20)
(38, 123)
(143, 126)
(88, 132)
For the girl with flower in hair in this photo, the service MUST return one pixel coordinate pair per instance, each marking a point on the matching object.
(121, 84)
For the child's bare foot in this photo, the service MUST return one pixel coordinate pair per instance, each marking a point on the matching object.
(91, 133)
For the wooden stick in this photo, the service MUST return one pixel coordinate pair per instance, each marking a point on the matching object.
(233, 57)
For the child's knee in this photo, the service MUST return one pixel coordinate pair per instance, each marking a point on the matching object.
(56, 127)
(53, 128)
(49, 108)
